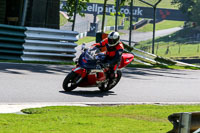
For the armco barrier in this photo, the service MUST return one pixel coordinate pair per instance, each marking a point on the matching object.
(11, 41)
(151, 59)
(36, 44)
(44, 44)
(186, 122)
(140, 24)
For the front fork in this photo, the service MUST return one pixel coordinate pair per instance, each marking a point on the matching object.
(80, 71)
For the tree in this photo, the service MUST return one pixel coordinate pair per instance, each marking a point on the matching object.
(70, 7)
(196, 13)
(184, 5)
(190, 8)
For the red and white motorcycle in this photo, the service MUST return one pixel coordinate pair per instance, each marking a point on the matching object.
(90, 73)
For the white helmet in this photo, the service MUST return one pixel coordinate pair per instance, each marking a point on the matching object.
(113, 39)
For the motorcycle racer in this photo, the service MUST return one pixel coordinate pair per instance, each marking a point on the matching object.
(89, 71)
(113, 49)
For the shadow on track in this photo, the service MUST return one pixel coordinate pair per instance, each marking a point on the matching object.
(89, 93)
(133, 73)
(136, 73)
(20, 68)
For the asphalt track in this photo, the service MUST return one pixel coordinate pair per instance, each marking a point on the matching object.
(31, 85)
(37, 83)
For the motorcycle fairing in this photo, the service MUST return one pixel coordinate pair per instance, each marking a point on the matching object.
(80, 71)
(86, 63)
(92, 79)
(126, 59)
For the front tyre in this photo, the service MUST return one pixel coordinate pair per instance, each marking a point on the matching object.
(108, 86)
(70, 81)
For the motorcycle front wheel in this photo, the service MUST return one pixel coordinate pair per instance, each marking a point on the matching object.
(70, 81)
(108, 86)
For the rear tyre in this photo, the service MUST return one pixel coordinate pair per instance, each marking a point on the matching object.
(70, 81)
(108, 86)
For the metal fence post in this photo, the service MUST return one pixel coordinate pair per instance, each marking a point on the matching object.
(154, 20)
(24, 12)
(116, 15)
(131, 22)
(185, 123)
(75, 10)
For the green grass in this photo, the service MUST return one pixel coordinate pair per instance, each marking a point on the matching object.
(107, 119)
(110, 20)
(91, 39)
(162, 4)
(63, 20)
(163, 67)
(86, 40)
(177, 43)
(175, 50)
(184, 50)
(166, 24)
(162, 25)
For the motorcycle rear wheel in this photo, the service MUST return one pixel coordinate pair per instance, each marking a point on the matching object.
(107, 86)
(69, 82)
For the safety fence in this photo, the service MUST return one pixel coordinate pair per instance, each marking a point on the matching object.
(185, 122)
(43, 44)
(174, 48)
(36, 44)
(151, 59)
(11, 40)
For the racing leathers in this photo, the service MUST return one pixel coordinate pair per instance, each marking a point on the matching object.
(113, 54)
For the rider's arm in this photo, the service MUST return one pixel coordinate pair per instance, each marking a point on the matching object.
(101, 44)
(116, 59)
(98, 45)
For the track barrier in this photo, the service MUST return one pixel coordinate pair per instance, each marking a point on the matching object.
(52, 45)
(36, 44)
(151, 59)
(187, 122)
(11, 41)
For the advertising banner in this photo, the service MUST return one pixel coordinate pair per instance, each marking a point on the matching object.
(138, 12)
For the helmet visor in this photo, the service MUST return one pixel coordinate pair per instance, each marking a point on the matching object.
(112, 42)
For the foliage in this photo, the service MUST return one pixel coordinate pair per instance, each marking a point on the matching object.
(196, 13)
(184, 5)
(123, 2)
(190, 8)
(70, 7)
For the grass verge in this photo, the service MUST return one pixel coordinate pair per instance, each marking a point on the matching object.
(176, 45)
(86, 40)
(104, 119)
(63, 20)
(166, 24)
